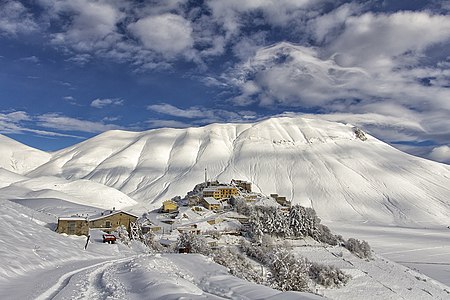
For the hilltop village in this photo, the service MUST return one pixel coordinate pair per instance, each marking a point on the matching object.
(238, 228)
(210, 209)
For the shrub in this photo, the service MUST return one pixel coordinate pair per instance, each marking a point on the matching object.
(359, 248)
(324, 235)
(195, 243)
(287, 272)
(237, 265)
(328, 276)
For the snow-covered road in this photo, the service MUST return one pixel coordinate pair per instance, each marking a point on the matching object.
(170, 276)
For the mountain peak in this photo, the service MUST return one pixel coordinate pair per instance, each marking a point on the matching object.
(316, 163)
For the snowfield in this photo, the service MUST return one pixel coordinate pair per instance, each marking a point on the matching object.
(360, 188)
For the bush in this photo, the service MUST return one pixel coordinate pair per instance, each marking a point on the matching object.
(237, 264)
(287, 272)
(194, 243)
(324, 235)
(328, 276)
(256, 252)
(359, 248)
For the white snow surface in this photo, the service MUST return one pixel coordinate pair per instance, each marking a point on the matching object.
(312, 162)
(84, 192)
(37, 263)
(19, 158)
(8, 177)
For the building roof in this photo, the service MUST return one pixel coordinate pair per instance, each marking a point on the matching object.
(169, 201)
(211, 201)
(108, 213)
(73, 218)
(225, 187)
(219, 187)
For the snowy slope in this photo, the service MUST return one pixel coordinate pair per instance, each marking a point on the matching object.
(8, 177)
(82, 192)
(37, 263)
(18, 157)
(312, 162)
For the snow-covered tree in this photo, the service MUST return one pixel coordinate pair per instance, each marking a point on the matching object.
(359, 248)
(241, 206)
(237, 265)
(328, 276)
(287, 272)
(122, 235)
(303, 221)
(195, 243)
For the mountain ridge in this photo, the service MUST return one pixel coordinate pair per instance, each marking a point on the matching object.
(312, 162)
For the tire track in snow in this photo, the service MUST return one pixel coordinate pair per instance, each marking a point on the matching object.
(64, 280)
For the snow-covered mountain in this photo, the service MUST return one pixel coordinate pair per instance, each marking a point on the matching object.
(18, 157)
(311, 162)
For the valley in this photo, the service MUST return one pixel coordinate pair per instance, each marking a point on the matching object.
(359, 187)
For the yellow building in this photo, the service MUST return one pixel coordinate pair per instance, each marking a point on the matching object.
(211, 203)
(219, 192)
(111, 219)
(169, 206)
(73, 225)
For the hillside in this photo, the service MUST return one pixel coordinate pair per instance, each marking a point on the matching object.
(83, 192)
(312, 162)
(19, 158)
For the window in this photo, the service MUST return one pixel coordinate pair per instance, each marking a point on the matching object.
(71, 226)
(108, 224)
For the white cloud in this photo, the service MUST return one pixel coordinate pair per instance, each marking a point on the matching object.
(100, 103)
(171, 110)
(156, 123)
(376, 40)
(15, 18)
(64, 123)
(19, 122)
(167, 34)
(294, 75)
(32, 59)
(203, 115)
(92, 26)
(441, 153)
(330, 24)
(231, 13)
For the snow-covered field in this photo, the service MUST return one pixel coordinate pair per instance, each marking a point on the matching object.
(365, 189)
(426, 250)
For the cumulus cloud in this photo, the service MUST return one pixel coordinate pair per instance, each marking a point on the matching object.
(16, 19)
(92, 26)
(375, 40)
(294, 75)
(441, 153)
(101, 103)
(168, 34)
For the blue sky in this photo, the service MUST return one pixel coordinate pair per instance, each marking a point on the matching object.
(70, 69)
